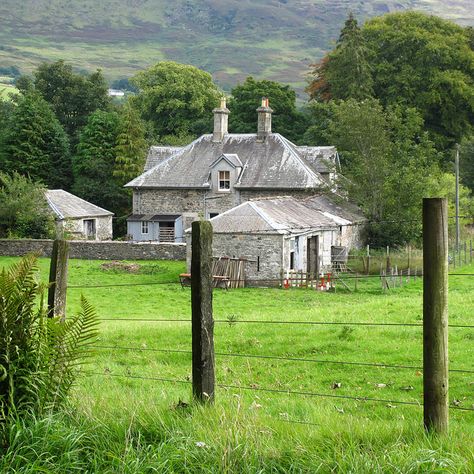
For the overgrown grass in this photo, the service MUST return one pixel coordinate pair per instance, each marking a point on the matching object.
(122, 424)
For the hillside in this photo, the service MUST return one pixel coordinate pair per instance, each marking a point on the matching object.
(275, 39)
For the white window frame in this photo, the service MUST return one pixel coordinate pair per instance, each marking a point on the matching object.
(145, 227)
(223, 176)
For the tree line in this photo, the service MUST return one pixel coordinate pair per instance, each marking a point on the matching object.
(394, 96)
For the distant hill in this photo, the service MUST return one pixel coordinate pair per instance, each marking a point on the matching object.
(273, 39)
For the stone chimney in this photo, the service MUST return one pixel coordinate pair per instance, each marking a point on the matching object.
(221, 119)
(264, 127)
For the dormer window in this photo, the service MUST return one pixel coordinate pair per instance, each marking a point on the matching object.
(224, 180)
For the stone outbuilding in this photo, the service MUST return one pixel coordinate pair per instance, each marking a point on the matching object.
(222, 170)
(285, 234)
(77, 218)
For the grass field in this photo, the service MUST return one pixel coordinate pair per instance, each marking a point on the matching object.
(118, 423)
(6, 90)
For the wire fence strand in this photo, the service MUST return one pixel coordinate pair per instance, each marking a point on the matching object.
(278, 358)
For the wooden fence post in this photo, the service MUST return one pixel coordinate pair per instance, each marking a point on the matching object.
(202, 319)
(57, 289)
(435, 314)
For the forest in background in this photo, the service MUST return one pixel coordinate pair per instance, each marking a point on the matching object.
(395, 96)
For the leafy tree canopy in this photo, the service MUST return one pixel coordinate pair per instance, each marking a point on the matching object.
(173, 97)
(388, 164)
(410, 59)
(246, 98)
(35, 144)
(72, 96)
(424, 62)
(24, 212)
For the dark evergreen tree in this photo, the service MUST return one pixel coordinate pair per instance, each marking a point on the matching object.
(131, 146)
(94, 163)
(35, 144)
(345, 72)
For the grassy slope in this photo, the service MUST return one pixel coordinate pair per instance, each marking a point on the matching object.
(279, 37)
(246, 430)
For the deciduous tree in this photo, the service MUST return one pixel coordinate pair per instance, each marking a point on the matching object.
(173, 97)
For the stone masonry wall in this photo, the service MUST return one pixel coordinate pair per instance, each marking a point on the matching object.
(91, 250)
(266, 249)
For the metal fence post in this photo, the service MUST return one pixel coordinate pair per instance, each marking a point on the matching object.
(202, 319)
(435, 314)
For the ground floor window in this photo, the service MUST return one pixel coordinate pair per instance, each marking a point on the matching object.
(213, 214)
(292, 260)
(145, 227)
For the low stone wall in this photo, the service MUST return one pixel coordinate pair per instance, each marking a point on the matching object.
(91, 250)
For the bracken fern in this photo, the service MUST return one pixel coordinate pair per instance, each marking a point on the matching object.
(39, 356)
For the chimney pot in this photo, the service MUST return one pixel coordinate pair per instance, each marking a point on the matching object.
(264, 127)
(221, 120)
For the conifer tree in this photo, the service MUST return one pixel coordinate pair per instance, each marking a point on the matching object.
(131, 146)
(35, 144)
(345, 72)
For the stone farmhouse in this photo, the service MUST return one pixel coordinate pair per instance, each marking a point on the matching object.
(221, 171)
(78, 218)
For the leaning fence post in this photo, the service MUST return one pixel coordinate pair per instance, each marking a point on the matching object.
(435, 314)
(57, 289)
(202, 319)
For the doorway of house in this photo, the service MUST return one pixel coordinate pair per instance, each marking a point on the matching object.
(89, 229)
(312, 256)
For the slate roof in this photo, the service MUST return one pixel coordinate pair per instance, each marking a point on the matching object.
(153, 217)
(275, 163)
(157, 154)
(67, 206)
(321, 158)
(283, 215)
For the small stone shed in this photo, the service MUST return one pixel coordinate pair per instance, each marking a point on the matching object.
(78, 218)
(286, 234)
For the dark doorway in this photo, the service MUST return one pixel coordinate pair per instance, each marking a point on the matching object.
(312, 255)
(166, 232)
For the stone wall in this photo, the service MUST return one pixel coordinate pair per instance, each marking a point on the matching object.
(75, 227)
(91, 250)
(264, 253)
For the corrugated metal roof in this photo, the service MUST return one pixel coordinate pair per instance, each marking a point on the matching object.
(67, 206)
(283, 215)
(272, 164)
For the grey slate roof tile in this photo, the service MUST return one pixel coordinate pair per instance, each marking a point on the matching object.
(67, 206)
(275, 163)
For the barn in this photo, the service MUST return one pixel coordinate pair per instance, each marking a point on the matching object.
(284, 234)
(77, 218)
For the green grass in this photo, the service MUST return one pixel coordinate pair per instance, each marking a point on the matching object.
(120, 424)
(6, 90)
